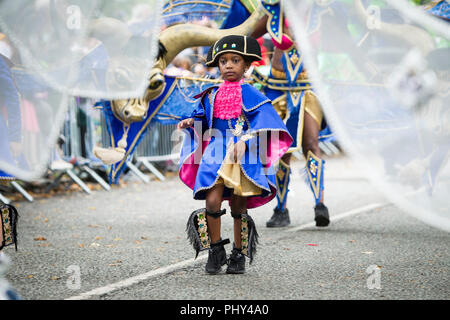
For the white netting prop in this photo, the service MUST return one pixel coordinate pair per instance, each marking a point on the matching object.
(86, 48)
(52, 51)
(381, 70)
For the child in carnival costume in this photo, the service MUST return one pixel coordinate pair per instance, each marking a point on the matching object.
(233, 138)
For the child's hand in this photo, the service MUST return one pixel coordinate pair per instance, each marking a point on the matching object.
(186, 123)
(239, 150)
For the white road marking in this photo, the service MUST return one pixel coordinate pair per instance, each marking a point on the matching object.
(340, 216)
(136, 279)
(187, 263)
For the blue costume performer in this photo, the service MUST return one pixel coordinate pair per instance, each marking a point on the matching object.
(231, 119)
(292, 96)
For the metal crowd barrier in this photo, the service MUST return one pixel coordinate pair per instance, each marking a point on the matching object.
(75, 162)
(161, 143)
(19, 188)
(156, 146)
(83, 160)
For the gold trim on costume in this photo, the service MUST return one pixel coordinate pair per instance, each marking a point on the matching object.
(312, 107)
(301, 121)
(207, 187)
(280, 106)
(315, 112)
(291, 71)
(244, 236)
(256, 106)
(203, 229)
(250, 5)
(295, 97)
(173, 5)
(277, 73)
(279, 173)
(278, 38)
(245, 44)
(283, 84)
(200, 79)
(315, 186)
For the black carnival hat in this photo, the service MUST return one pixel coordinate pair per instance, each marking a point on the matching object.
(243, 45)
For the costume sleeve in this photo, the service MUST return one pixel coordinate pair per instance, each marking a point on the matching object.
(199, 111)
(9, 98)
(199, 115)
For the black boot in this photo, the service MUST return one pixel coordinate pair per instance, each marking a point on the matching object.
(279, 219)
(236, 262)
(321, 215)
(217, 257)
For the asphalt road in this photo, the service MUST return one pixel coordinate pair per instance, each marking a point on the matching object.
(130, 243)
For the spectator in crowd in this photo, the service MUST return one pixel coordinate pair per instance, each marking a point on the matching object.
(180, 67)
(199, 70)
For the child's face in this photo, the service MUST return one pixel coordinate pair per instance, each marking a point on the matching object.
(232, 66)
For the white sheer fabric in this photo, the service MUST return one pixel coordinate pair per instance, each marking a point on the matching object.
(381, 70)
(55, 50)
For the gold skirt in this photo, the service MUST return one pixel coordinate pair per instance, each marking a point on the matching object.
(312, 107)
(233, 177)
